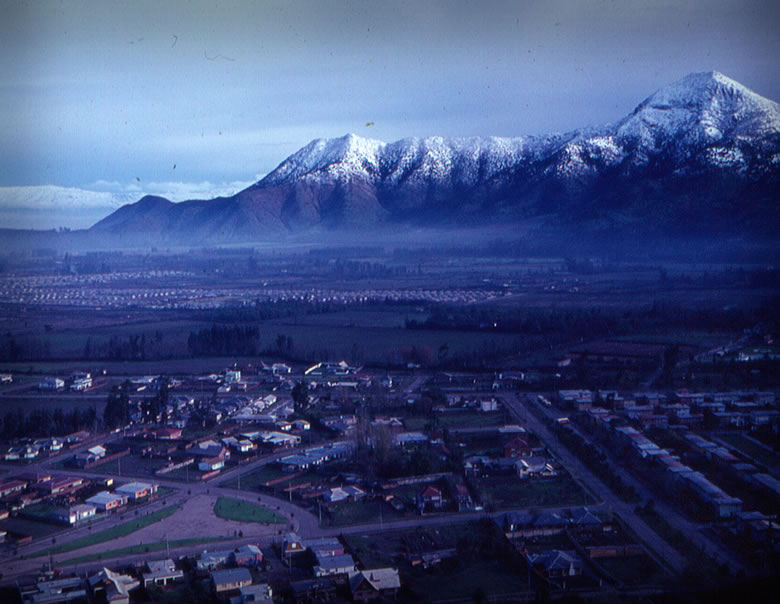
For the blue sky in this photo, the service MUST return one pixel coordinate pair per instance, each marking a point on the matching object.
(111, 96)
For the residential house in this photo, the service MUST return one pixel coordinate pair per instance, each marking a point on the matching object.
(248, 555)
(213, 559)
(105, 501)
(410, 439)
(70, 589)
(556, 563)
(9, 486)
(230, 579)
(517, 447)
(536, 466)
(325, 547)
(114, 587)
(488, 405)
(261, 593)
(429, 498)
(339, 494)
(374, 583)
(60, 485)
(210, 464)
(137, 490)
(89, 456)
(168, 433)
(51, 383)
(334, 565)
(291, 544)
(162, 572)
(74, 514)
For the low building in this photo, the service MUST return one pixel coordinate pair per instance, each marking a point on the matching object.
(70, 589)
(51, 383)
(60, 485)
(374, 583)
(161, 572)
(260, 593)
(230, 579)
(556, 563)
(9, 486)
(211, 560)
(537, 466)
(210, 464)
(105, 501)
(248, 555)
(114, 587)
(301, 424)
(339, 494)
(334, 565)
(291, 545)
(137, 490)
(430, 497)
(517, 447)
(74, 514)
(325, 547)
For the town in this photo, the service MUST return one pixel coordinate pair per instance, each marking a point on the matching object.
(403, 429)
(333, 482)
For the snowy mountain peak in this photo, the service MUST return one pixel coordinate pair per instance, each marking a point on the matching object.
(700, 108)
(336, 156)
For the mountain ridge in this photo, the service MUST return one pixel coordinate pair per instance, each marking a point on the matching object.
(688, 157)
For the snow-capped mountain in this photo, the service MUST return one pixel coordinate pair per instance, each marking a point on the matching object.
(702, 154)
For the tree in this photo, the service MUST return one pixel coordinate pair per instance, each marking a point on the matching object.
(300, 396)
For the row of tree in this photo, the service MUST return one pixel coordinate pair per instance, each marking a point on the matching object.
(41, 422)
(241, 340)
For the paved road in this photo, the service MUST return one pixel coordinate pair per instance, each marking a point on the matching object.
(692, 530)
(669, 557)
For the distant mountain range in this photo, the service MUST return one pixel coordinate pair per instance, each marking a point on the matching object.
(701, 156)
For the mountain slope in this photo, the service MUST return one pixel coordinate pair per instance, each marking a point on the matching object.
(701, 155)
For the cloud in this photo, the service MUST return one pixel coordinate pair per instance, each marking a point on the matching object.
(49, 206)
(51, 197)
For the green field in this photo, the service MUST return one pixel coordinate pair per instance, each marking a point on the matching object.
(508, 492)
(245, 511)
(121, 530)
(256, 479)
(633, 570)
(373, 551)
(361, 512)
(143, 548)
(491, 577)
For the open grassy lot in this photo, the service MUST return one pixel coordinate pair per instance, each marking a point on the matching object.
(471, 419)
(245, 511)
(256, 478)
(633, 570)
(360, 512)
(129, 465)
(507, 492)
(121, 530)
(143, 548)
(491, 577)
(374, 551)
(33, 528)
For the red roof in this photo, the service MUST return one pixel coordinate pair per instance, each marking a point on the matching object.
(430, 491)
